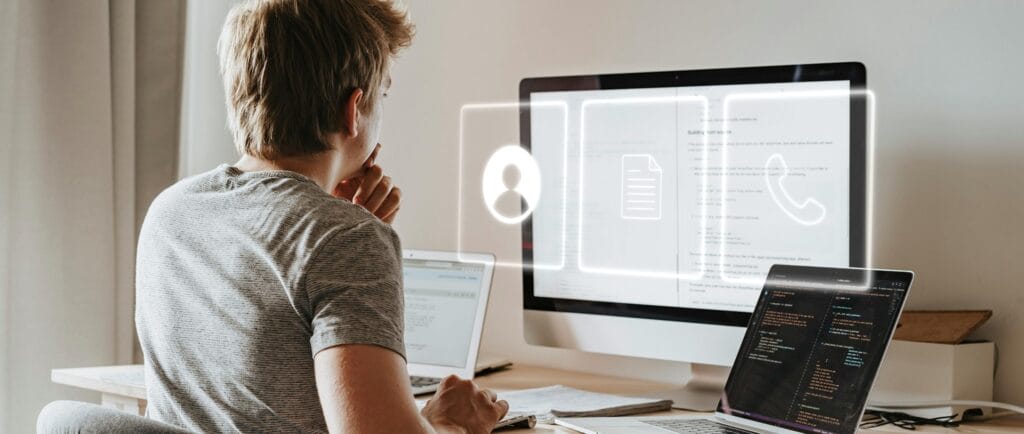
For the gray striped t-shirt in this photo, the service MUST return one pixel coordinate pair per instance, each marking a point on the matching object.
(241, 279)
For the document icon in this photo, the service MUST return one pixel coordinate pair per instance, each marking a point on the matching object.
(641, 187)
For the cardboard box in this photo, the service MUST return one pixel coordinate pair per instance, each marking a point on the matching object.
(918, 371)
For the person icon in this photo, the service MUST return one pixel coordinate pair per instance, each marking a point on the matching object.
(511, 184)
(510, 203)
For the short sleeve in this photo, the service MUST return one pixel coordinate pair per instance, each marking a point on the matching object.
(354, 286)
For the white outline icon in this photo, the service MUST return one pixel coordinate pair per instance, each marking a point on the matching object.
(789, 205)
(641, 187)
(527, 187)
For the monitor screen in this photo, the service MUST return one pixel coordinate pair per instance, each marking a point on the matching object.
(683, 188)
(813, 347)
(441, 300)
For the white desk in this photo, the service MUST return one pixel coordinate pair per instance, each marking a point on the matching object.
(123, 387)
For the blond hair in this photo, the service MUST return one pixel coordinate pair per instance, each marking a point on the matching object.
(289, 66)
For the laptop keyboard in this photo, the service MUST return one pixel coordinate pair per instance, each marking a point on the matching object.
(423, 381)
(695, 426)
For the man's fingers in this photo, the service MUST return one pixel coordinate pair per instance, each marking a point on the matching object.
(390, 205)
(380, 193)
(372, 159)
(502, 408)
(390, 218)
(371, 178)
(449, 381)
(376, 193)
(347, 189)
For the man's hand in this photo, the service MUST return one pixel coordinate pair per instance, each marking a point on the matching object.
(377, 194)
(461, 406)
(372, 190)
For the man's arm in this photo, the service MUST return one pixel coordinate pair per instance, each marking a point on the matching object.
(365, 389)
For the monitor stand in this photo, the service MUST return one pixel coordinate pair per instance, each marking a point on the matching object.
(701, 392)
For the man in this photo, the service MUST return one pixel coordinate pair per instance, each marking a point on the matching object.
(269, 293)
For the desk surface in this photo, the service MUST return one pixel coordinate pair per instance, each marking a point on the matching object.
(128, 381)
(123, 380)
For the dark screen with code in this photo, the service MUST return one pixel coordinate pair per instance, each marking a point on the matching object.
(813, 347)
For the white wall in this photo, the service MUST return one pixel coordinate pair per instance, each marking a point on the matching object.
(946, 75)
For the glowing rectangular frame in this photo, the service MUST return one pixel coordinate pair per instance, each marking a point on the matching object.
(704, 191)
(869, 162)
(565, 165)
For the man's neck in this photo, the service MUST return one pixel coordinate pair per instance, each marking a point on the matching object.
(321, 168)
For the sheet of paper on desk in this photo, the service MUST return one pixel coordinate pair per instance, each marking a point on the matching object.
(561, 401)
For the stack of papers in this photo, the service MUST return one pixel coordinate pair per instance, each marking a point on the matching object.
(547, 403)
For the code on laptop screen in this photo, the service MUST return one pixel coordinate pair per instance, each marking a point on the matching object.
(813, 347)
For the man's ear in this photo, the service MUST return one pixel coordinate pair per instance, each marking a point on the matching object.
(350, 118)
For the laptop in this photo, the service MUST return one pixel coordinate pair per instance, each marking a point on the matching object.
(811, 351)
(445, 302)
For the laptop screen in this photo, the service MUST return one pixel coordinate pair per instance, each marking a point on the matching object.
(441, 299)
(813, 346)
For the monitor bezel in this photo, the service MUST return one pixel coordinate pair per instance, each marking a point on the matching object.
(854, 72)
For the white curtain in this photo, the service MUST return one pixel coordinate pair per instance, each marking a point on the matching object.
(205, 139)
(87, 90)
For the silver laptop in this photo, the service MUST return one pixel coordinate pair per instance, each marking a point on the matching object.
(806, 364)
(445, 302)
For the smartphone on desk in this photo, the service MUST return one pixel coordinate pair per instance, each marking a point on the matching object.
(516, 420)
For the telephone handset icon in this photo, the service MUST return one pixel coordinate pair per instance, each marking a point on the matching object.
(808, 212)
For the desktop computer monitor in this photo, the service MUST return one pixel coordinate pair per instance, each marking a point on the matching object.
(681, 189)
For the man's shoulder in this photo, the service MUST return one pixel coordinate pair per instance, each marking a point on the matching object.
(280, 203)
(332, 214)
(369, 249)
(351, 227)
(338, 222)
